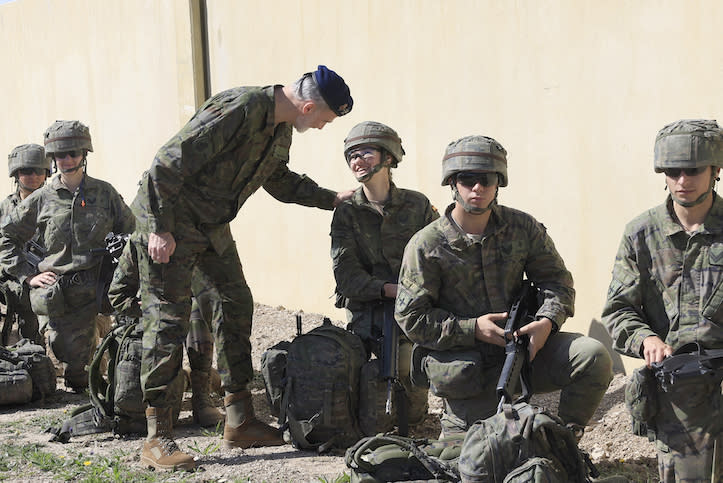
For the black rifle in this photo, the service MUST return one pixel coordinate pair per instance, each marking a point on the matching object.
(517, 357)
(688, 361)
(114, 244)
(34, 253)
(390, 368)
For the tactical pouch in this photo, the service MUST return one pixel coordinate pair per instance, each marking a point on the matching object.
(454, 374)
(641, 399)
(48, 301)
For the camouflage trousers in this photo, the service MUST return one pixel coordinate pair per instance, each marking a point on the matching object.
(689, 432)
(205, 310)
(166, 291)
(367, 324)
(577, 365)
(72, 335)
(18, 298)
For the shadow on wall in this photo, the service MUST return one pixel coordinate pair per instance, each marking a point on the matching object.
(599, 332)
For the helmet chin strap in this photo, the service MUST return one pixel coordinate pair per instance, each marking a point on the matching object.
(80, 165)
(473, 210)
(700, 199)
(368, 176)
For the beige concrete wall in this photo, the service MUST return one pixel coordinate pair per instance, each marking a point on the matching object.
(575, 90)
(122, 68)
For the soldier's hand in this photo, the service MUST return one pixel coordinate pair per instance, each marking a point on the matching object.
(342, 196)
(487, 329)
(655, 350)
(538, 331)
(161, 246)
(44, 279)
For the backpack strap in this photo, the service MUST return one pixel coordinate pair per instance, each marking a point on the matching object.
(437, 468)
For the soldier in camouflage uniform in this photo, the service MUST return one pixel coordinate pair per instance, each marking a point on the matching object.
(458, 279)
(667, 291)
(72, 214)
(368, 236)
(29, 166)
(237, 142)
(123, 296)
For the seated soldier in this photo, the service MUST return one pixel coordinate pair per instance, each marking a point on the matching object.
(29, 167)
(458, 279)
(368, 236)
(71, 216)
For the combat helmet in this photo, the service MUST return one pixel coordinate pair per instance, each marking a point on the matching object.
(27, 156)
(377, 134)
(67, 136)
(688, 143)
(471, 153)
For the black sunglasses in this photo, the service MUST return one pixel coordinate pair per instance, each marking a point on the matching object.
(471, 179)
(675, 172)
(63, 154)
(29, 171)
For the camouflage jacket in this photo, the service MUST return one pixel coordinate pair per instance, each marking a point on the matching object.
(8, 204)
(69, 226)
(667, 283)
(205, 173)
(447, 280)
(367, 248)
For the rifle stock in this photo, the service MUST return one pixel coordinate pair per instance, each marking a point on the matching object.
(516, 366)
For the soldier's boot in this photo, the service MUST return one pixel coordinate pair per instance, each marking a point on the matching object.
(159, 450)
(242, 429)
(204, 411)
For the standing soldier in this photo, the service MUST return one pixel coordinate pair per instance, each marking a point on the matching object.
(459, 277)
(72, 214)
(368, 236)
(237, 142)
(667, 292)
(29, 166)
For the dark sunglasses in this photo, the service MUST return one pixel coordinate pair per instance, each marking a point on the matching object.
(29, 171)
(675, 172)
(471, 179)
(64, 154)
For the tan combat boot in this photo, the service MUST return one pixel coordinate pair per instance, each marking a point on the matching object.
(242, 429)
(159, 450)
(204, 411)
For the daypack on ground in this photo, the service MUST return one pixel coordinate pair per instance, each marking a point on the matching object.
(26, 373)
(523, 443)
(116, 398)
(321, 395)
(387, 457)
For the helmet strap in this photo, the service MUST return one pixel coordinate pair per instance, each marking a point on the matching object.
(473, 210)
(382, 164)
(700, 199)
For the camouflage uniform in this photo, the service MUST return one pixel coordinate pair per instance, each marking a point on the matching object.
(447, 280)
(19, 293)
(668, 283)
(69, 226)
(367, 248)
(194, 188)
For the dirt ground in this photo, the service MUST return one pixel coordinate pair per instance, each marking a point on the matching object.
(608, 439)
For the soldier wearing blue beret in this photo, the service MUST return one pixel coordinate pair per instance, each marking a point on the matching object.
(236, 143)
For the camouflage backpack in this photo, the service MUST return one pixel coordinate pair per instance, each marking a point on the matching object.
(273, 371)
(116, 398)
(387, 457)
(320, 401)
(523, 443)
(26, 373)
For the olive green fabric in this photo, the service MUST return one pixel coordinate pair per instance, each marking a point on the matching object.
(474, 153)
(689, 143)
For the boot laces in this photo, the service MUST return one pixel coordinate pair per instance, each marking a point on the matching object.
(168, 445)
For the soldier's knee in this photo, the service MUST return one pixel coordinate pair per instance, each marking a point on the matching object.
(594, 360)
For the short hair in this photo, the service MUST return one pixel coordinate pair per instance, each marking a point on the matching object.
(307, 89)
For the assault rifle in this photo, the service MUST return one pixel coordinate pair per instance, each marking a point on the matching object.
(34, 253)
(517, 357)
(390, 368)
(114, 244)
(688, 361)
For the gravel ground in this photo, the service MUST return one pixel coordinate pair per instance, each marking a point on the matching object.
(608, 439)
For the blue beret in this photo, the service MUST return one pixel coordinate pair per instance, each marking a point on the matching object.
(334, 90)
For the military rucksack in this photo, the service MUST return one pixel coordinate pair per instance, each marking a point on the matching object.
(520, 444)
(320, 401)
(273, 371)
(388, 457)
(116, 398)
(26, 373)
